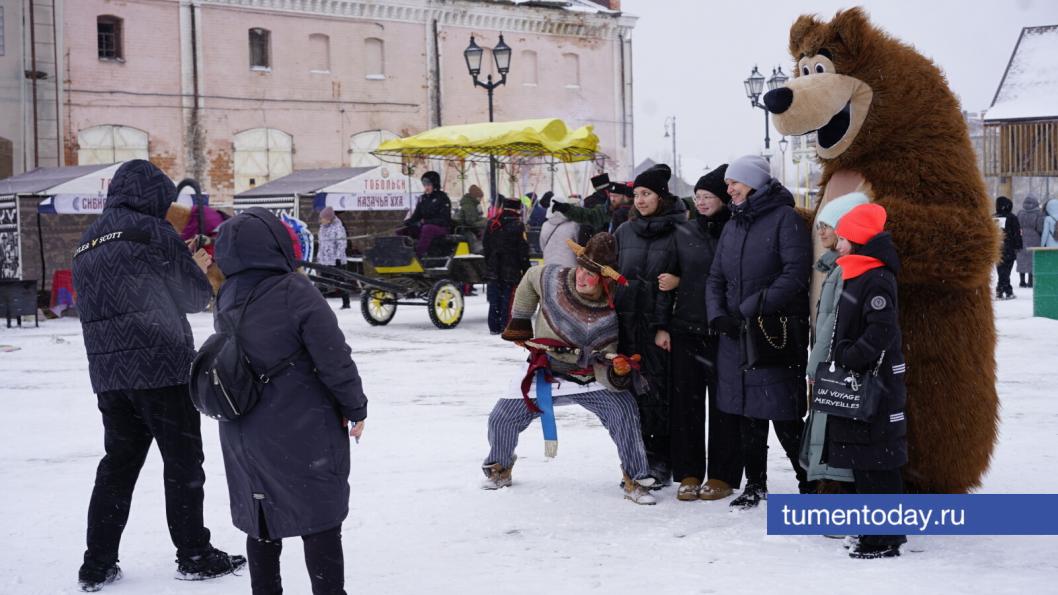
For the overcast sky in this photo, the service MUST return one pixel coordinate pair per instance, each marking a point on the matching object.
(691, 56)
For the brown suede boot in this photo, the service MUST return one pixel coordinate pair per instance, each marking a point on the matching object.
(715, 489)
(497, 477)
(688, 490)
(638, 490)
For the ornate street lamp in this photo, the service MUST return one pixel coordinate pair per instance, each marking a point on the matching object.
(502, 55)
(755, 86)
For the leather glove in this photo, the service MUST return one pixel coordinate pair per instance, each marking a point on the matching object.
(729, 326)
(561, 207)
(546, 200)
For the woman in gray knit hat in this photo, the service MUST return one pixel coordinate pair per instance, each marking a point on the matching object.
(762, 267)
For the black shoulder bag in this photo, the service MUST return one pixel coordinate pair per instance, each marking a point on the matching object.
(845, 393)
(223, 383)
(777, 341)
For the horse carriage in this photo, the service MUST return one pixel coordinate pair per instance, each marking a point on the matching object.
(394, 275)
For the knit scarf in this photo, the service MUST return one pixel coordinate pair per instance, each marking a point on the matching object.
(854, 265)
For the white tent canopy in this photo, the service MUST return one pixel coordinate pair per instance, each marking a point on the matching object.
(382, 188)
(86, 194)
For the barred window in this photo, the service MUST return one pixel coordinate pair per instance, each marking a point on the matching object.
(108, 37)
(260, 49)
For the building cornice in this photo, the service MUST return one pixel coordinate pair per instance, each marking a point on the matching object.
(454, 13)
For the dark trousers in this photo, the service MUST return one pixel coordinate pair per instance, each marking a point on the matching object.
(131, 420)
(755, 447)
(499, 295)
(323, 559)
(887, 481)
(693, 378)
(1003, 269)
(344, 294)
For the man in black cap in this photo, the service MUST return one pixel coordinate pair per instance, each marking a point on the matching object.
(604, 210)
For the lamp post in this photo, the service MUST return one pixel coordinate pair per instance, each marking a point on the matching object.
(671, 122)
(783, 143)
(502, 55)
(755, 86)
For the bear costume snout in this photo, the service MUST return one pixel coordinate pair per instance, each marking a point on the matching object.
(833, 105)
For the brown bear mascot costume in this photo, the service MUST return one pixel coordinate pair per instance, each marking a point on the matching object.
(887, 124)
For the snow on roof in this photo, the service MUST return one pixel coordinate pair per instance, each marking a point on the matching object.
(1029, 89)
(585, 6)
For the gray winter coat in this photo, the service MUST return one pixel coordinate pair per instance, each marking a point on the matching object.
(287, 460)
(553, 235)
(1050, 223)
(765, 246)
(1031, 220)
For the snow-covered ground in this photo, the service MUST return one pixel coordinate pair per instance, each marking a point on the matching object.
(419, 523)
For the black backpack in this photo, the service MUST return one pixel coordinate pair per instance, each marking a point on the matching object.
(223, 383)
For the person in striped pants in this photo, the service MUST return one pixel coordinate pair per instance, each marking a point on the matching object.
(574, 344)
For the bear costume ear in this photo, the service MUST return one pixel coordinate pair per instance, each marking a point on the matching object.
(849, 27)
(799, 31)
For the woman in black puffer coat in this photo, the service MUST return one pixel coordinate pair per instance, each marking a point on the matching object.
(762, 265)
(646, 248)
(287, 459)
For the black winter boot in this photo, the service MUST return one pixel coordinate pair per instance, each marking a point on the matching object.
(751, 496)
(92, 578)
(211, 564)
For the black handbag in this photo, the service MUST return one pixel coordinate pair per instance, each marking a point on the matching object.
(776, 341)
(844, 393)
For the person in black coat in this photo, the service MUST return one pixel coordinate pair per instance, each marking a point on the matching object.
(1008, 222)
(867, 338)
(135, 281)
(694, 355)
(432, 216)
(762, 266)
(646, 248)
(506, 260)
(287, 459)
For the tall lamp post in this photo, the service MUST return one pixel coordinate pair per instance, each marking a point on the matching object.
(783, 143)
(502, 54)
(670, 123)
(755, 86)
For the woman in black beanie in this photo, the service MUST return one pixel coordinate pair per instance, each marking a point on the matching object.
(694, 352)
(646, 250)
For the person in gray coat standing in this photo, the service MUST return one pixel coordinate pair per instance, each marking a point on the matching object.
(287, 459)
(553, 235)
(762, 265)
(1031, 219)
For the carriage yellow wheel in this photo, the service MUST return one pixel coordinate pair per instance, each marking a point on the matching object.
(445, 304)
(377, 306)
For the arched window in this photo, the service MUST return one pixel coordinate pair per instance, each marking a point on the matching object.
(109, 37)
(262, 155)
(260, 49)
(110, 143)
(571, 67)
(527, 66)
(362, 143)
(375, 59)
(320, 52)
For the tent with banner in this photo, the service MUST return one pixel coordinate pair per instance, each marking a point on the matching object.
(377, 188)
(63, 201)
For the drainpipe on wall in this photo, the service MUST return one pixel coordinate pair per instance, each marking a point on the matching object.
(196, 158)
(435, 80)
(33, 76)
(55, 75)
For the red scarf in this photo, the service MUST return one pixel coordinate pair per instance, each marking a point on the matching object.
(854, 265)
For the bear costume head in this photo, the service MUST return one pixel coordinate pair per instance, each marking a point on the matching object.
(888, 125)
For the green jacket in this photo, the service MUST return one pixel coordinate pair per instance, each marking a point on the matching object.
(826, 310)
(469, 214)
(597, 217)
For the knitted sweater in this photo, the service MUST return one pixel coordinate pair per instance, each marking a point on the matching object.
(589, 325)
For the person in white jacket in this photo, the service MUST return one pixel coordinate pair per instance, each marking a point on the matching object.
(553, 235)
